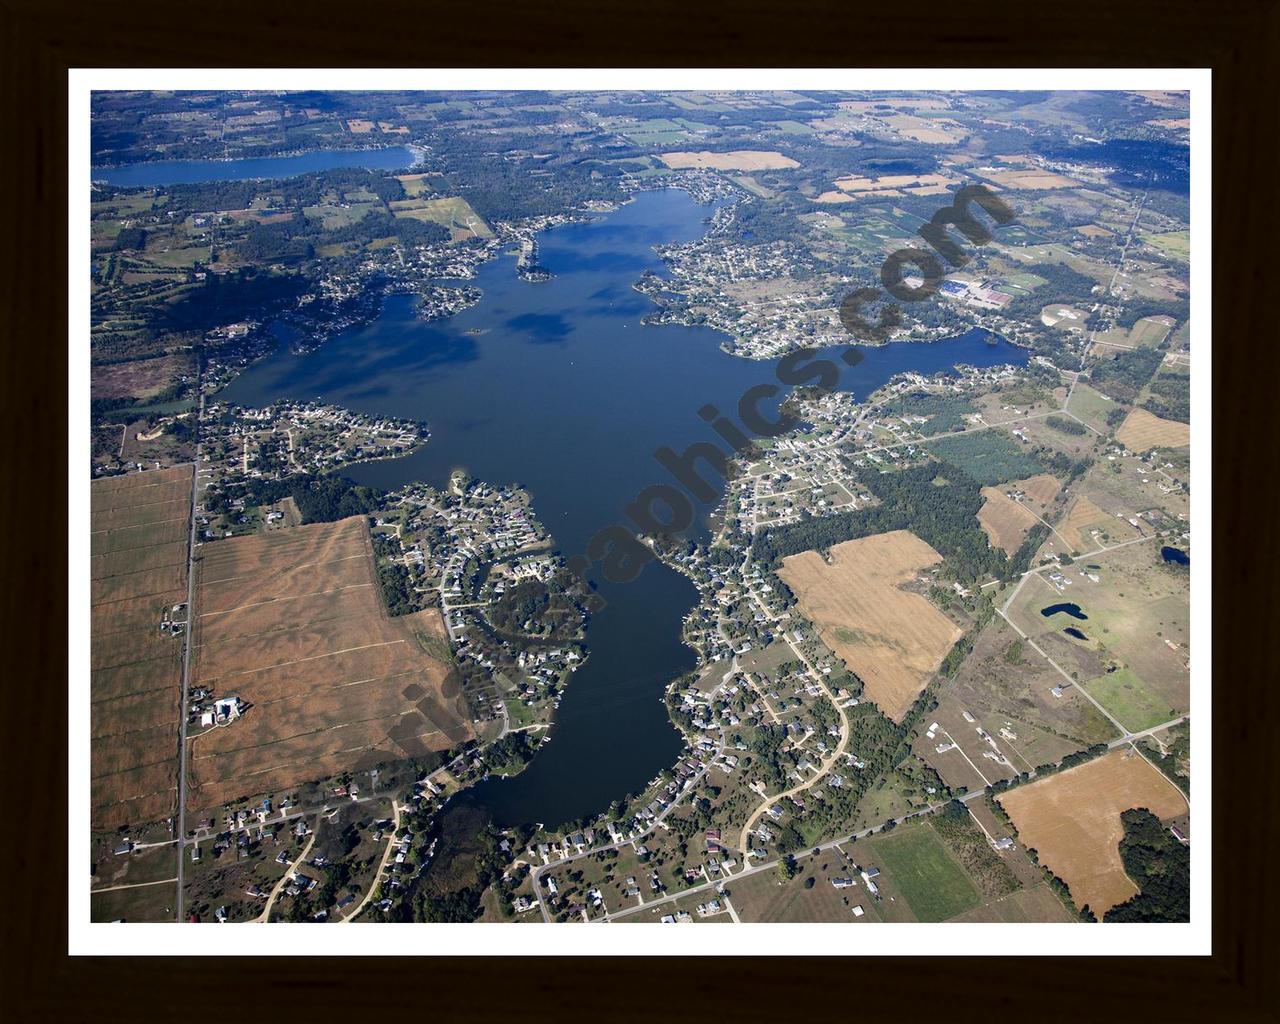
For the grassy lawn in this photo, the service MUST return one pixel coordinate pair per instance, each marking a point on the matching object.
(333, 216)
(454, 213)
(519, 713)
(1127, 697)
(932, 883)
(1091, 407)
(1176, 244)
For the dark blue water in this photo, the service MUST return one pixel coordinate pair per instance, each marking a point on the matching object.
(185, 172)
(1071, 609)
(568, 394)
(1072, 631)
(1175, 555)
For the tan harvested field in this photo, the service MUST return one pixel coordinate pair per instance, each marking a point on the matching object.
(919, 184)
(922, 129)
(1084, 516)
(141, 378)
(1037, 904)
(738, 160)
(1039, 489)
(138, 569)
(1005, 521)
(1141, 431)
(892, 638)
(292, 623)
(1072, 821)
(1030, 179)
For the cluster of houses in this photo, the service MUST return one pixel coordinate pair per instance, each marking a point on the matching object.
(701, 277)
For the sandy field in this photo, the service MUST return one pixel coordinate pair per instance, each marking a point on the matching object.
(1005, 521)
(138, 570)
(1084, 516)
(1141, 431)
(893, 639)
(292, 623)
(1072, 821)
(1030, 179)
(738, 160)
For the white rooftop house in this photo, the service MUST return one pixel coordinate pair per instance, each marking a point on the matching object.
(227, 709)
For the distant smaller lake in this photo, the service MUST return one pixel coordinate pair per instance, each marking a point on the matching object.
(1175, 555)
(1071, 609)
(151, 173)
(1072, 631)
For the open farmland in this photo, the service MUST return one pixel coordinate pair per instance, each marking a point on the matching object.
(1141, 431)
(1007, 687)
(292, 623)
(452, 212)
(738, 160)
(892, 638)
(1085, 526)
(138, 570)
(1072, 821)
(1024, 905)
(763, 897)
(1138, 618)
(1027, 178)
(933, 884)
(1005, 520)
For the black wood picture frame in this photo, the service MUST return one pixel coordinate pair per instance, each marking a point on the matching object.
(42, 39)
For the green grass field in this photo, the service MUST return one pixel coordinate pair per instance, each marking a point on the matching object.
(454, 213)
(1148, 333)
(932, 883)
(333, 216)
(519, 713)
(1024, 282)
(1128, 698)
(1175, 244)
(1091, 407)
(792, 127)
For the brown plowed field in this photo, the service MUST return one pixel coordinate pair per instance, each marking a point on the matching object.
(138, 569)
(1141, 431)
(292, 623)
(1072, 821)
(892, 638)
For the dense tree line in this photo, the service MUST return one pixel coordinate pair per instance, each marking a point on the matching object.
(1062, 285)
(246, 294)
(394, 579)
(1160, 866)
(939, 503)
(1170, 397)
(1122, 377)
(321, 498)
(1066, 425)
(946, 412)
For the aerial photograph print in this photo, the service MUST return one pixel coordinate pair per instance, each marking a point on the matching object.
(626, 505)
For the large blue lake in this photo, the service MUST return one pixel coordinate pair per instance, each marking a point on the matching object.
(154, 173)
(557, 386)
